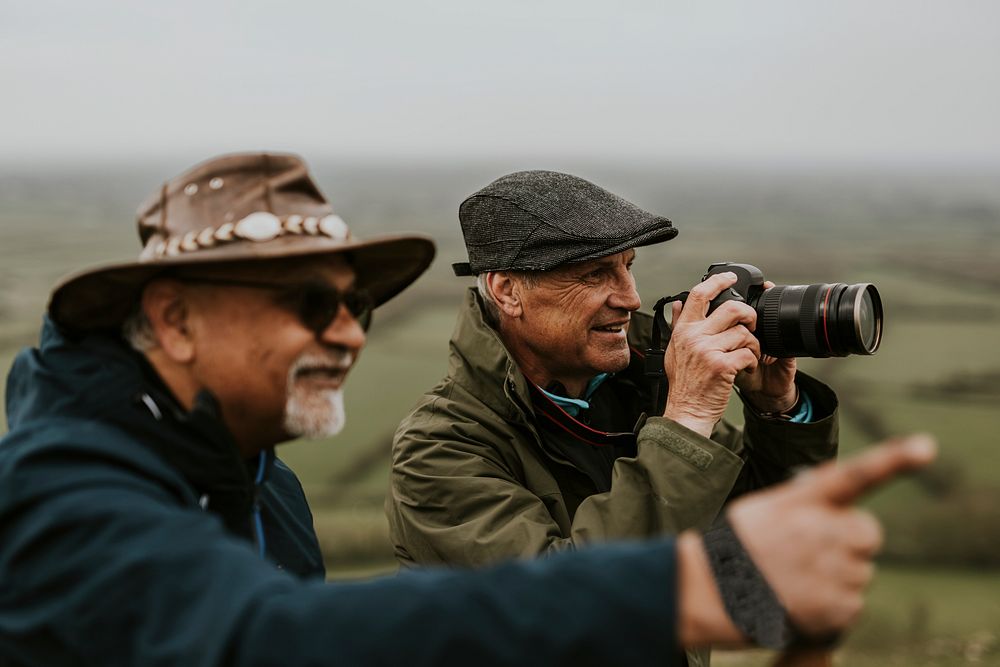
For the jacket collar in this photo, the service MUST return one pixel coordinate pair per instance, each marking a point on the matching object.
(479, 361)
(98, 378)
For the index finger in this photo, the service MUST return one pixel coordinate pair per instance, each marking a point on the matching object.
(844, 483)
(696, 306)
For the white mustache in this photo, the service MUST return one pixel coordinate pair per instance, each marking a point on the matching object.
(337, 361)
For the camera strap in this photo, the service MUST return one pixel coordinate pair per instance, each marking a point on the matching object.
(653, 362)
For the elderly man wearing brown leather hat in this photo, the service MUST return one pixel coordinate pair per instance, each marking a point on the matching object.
(232, 244)
(145, 521)
(243, 314)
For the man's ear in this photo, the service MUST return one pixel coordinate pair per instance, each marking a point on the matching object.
(506, 292)
(165, 306)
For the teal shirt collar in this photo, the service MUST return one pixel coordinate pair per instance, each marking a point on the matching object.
(572, 406)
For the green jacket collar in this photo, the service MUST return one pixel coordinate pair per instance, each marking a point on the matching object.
(479, 361)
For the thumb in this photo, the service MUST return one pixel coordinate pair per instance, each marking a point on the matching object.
(844, 483)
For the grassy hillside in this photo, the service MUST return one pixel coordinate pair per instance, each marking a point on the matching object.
(928, 241)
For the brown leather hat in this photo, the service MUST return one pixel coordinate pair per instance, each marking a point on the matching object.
(235, 208)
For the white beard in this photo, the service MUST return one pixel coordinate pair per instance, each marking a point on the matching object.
(312, 413)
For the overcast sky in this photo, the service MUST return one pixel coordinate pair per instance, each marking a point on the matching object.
(893, 81)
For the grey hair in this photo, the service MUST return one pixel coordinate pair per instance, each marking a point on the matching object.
(137, 330)
(490, 307)
(528, 278)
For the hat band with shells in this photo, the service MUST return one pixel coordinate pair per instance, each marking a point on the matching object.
(258, 227)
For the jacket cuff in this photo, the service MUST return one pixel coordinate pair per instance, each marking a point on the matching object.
(693, 448)
(799, 443)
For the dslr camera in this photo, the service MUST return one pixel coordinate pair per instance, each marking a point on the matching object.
(822, 320)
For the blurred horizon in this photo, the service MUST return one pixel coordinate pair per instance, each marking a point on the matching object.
(778, 80)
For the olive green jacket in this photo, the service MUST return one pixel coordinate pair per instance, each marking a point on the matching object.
(472, 483)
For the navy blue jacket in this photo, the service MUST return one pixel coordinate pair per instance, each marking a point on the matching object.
(127, 537)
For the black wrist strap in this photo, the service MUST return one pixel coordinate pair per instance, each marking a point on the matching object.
(748, 598)
(653, 358)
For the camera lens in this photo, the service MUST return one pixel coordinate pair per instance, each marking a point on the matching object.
(861, 310)
(822, 320)
(869, 325)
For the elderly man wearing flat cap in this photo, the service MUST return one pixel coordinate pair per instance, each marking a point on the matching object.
(144, 519)
(544, 435)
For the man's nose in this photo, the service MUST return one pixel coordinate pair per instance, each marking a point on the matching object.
(624, 296)
(344, 331)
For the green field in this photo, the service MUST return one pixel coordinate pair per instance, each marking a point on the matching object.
(916, 618)
(927, 240)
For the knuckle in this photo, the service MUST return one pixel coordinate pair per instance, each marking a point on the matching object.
(748, 358)
(722, 279)
(730, 309)
(866, 572)
(742, 310)
(875, 530)
(715, 284)
(718, 364)
(701, 291)
(868, 529)
(854, 605)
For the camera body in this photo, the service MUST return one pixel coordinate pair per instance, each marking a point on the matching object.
(820, 320)
(749, 283)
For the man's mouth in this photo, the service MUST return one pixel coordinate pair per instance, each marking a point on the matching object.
(322, 371)
(612, 327)
(326, 375)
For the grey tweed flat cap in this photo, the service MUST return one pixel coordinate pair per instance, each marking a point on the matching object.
(538, 220)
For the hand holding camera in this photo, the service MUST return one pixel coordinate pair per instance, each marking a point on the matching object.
(821, 320)
(734, 314)
(706, 352)
(770, 387)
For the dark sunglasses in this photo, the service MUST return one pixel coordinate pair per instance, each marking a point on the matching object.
(315, 304)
